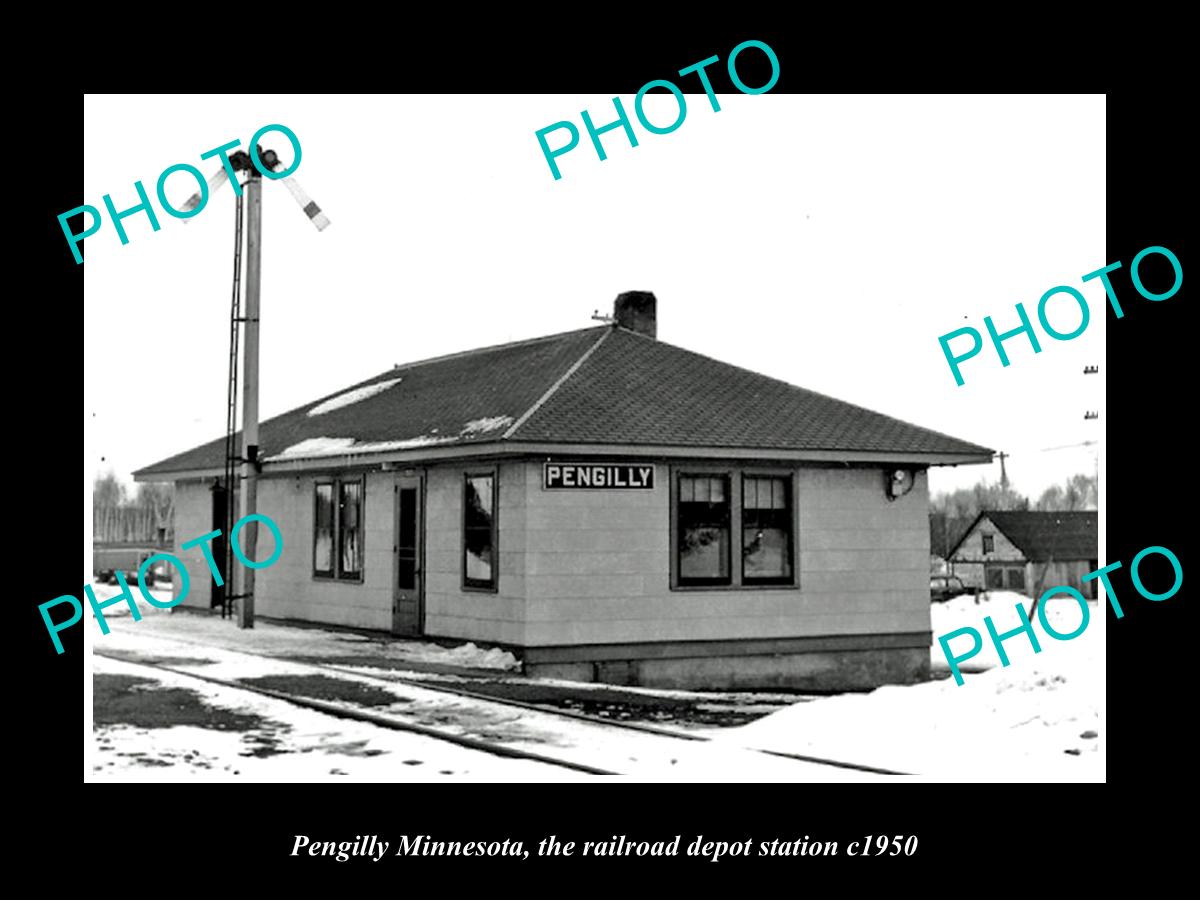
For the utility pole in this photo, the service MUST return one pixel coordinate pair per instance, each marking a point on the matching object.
(249, 533)
(1093, 415)
(1003, 471)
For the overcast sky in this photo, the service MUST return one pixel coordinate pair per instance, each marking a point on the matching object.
(826, 241)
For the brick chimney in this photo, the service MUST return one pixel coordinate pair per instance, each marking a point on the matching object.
(635, 310)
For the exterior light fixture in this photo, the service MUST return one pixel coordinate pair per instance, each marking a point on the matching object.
(899, 482)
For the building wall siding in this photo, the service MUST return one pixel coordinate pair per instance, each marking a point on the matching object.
(593, 566)
(1069, 572)
(451, 611)
(193, 517)
(288, 590)
(598, 566)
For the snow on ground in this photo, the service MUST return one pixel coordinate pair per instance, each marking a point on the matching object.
(966, 611)
(470, 656)
(637, 754)
(1039, 719)
(285, 744)
(285, 641)
(161, 591)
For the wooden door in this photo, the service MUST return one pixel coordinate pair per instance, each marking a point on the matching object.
(408, 605)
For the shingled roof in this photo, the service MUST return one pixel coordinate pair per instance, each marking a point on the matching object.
(1041, 536)
(603, 385)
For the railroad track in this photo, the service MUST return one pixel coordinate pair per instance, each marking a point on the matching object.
(445, 688)
(398, 724)
(600, 720)
(362, 715)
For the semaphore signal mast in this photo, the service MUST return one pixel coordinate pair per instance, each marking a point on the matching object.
(249, 221)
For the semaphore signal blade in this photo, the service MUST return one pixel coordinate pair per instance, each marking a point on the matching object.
(306, 202)
(214, 182)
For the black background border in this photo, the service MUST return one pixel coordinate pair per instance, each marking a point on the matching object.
(244, 837)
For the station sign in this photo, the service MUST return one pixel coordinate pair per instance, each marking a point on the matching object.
(560, 476)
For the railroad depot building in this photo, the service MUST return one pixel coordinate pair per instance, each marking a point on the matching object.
(608, 506)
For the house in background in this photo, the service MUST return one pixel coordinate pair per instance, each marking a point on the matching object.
(1029, 552)
(608, 506)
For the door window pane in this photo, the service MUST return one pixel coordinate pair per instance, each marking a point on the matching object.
(407, 580)
(406, 549)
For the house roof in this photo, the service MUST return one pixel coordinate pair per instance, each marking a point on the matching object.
(603, 385)
(1041, 536)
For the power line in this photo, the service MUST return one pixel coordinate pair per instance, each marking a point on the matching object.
(1067, 446)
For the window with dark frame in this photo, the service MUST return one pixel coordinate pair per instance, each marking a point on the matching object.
(338, 529)
(766, 529)
(989, 544)
(479, 531)
(703, 530)
(323, 530)
(350, 529)
(712, 514)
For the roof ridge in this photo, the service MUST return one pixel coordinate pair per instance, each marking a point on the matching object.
(557, 384)
(398, 371)
(493, 347)
(798, 387)
(1042, 512)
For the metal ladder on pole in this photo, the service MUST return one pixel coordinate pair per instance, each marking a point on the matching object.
(232, 457)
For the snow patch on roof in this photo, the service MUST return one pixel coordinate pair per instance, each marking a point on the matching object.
(355, 396)
(318, 446)
(484, 425)
(311, 448)
(314, 448)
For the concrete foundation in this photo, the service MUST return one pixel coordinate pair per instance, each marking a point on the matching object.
(831, 670)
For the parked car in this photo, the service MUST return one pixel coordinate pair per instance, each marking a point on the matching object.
(107, 561)
(946, 587)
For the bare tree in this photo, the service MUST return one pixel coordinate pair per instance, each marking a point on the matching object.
(148, 515)
(108, 491)
(158, 502)
(967, 503)
(1077, 493)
